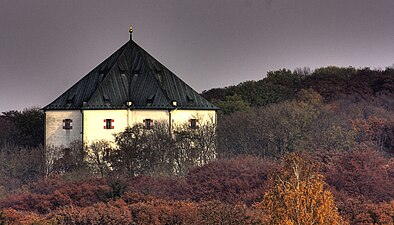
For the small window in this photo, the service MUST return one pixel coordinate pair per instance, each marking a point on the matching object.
(148, 124)
(150, 99)
(189, 98)
(109, 124)
(106, 99)
(70, 99)
(193, 123)
(67, 124)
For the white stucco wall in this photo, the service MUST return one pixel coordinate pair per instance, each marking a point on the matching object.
(94, 122)
(55, 135)
(181, 117)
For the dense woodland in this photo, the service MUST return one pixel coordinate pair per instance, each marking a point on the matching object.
(297, 147)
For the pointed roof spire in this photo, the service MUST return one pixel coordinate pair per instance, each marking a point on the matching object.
(131, 32)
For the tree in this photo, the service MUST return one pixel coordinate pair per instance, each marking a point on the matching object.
(297, 195)
(363, 173)
(157, 151)
(72, 160)
(98, 155)
(236, 180)
(20, 165)
(269, 131)
(25, 128)
(194, 147)
(232, 104)
(379, 131)
(142, 151)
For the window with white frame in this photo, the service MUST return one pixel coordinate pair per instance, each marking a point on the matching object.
(67, 124)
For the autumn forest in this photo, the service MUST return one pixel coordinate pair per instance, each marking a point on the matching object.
(297, 147)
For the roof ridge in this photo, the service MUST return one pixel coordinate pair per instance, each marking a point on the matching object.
(173, 75)
(139, 48)
(107, 72)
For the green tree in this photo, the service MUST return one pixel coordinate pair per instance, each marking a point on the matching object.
(232, 104)
(25, 128)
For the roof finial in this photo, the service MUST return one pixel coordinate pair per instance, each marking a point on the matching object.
(131, 32)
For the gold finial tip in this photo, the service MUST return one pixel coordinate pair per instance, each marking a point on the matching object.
(131, 29)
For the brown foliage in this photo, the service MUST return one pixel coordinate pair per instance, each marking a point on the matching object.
(11, 216)
(362, 173)
(148, 210)
(223, 191)
(115, 212)
(57, 193)
(358, 211)
(174, 188)
(164, 212)
(379, 131)
(238, 180)
(214, 212)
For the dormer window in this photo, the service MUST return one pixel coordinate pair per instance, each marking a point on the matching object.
(124, 77)
(122, 71)
(148, 124)
(193, 123)
(106, 99)
(136, 71)
(70, 100)
(189, 98)
(109, 124)
(67, 124)
(150, 99)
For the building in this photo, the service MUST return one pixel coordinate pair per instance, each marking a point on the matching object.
(129, 87)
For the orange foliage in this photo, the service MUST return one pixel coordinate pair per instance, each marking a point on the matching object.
(115, 212)
(11, 216)
(297, 195)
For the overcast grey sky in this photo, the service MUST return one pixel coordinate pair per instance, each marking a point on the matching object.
(48, 45)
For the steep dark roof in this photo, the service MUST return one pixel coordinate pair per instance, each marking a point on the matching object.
(130, 74)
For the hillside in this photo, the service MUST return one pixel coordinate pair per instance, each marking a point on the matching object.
(332, 83)
(295, 146)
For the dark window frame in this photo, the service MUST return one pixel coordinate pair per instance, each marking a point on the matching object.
(109, 123)
(67, 124)
(193, 123)
(148, 124)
